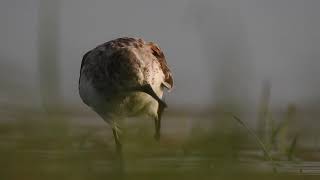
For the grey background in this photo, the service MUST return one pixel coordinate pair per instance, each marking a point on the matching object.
(219, 50)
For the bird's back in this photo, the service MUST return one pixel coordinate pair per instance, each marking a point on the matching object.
(111, 70)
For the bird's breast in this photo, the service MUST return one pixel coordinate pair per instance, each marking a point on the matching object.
(135, 104)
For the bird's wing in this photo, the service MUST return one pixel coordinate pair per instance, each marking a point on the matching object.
(156, 51)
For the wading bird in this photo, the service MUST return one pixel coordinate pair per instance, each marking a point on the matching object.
(123, 78)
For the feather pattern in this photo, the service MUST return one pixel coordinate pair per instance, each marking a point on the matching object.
(110, 71)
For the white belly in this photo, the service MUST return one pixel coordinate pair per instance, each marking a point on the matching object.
(135, 104)
(128, 104)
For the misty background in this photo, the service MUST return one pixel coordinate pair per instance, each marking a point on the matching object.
(220, 51)
(246, 94)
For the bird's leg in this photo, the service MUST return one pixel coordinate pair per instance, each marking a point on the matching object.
(158, 128)
(112, 121)
(117, 141)
(120, 162)
(148, 89)
(157, 121)
(115, 131)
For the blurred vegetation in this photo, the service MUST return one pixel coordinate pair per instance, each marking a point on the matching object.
(48, 52)
(37, 146)
(276, 135)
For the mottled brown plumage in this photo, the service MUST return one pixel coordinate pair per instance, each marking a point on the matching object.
(125, 77)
